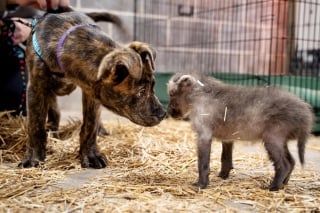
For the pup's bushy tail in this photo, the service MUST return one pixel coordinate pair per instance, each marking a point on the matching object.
(302, 140)
(306, 130)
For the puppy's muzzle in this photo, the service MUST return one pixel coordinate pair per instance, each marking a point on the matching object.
(157, 116)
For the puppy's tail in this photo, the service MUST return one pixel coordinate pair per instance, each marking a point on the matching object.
(106, 17)
(97, 17)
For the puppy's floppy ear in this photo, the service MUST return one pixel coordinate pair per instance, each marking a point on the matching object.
(117, 65)
(146, 52)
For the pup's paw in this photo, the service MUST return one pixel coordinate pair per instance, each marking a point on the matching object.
(223, 174)
(275, 187)
(200, 185)
(96, 161)
(102, 131)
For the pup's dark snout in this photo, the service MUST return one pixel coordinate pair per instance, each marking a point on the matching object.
(174, 113)
(162, 114)
(171, 111)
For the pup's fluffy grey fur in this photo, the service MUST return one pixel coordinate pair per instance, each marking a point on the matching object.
(229, 113)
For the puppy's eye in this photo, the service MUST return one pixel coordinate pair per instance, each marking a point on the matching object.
(141, 93)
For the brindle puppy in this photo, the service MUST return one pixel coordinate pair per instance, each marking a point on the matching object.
(68, 50)
(54, 111)
(230, 113)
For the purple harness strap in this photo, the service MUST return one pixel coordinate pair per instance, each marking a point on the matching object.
(63, 38)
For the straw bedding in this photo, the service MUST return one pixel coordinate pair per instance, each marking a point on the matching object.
(149, 170)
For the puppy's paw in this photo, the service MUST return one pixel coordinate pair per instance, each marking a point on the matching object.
(96, 161)
(28, 163)
(32, 158)
(54, 134)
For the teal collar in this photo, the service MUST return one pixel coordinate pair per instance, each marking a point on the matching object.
(35, 43)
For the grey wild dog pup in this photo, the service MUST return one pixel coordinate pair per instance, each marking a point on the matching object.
(68, 50)
(229, 113)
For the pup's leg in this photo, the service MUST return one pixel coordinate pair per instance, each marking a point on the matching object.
(89, 152)
(204, 150)
(275, 146)
(37, 108)
(53, 116)
(226, 159)
(291, 163)
(102, 130)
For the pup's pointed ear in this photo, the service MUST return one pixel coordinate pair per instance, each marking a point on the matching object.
(146, 52)
(186, 80)
(117, 65)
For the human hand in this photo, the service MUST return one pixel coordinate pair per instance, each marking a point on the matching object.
(21, 31)
(41, 4)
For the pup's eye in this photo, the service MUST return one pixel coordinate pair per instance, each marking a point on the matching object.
(141, 93)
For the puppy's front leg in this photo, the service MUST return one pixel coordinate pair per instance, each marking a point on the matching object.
(204, 150)
(37, 107)
(89, 152)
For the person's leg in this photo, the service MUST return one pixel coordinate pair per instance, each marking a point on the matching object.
(13, 74)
